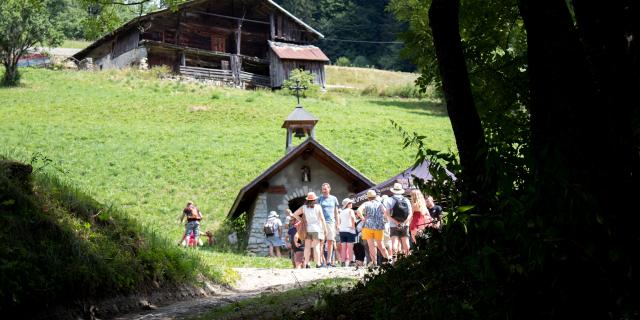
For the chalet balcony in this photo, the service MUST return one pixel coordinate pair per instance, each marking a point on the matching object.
(236, 69)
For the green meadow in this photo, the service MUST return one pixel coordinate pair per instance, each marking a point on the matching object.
(146, 145)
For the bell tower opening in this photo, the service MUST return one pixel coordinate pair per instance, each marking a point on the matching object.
(299, 124)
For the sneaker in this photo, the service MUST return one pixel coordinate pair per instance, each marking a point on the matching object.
(319, 266)
(344, 264)
(308, 267)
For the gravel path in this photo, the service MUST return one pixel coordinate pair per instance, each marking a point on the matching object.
(253, 282)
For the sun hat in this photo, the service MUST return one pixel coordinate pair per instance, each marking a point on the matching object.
(311, 196)
(273, 214)
(371, 193)
(346, 202)
(397, 188)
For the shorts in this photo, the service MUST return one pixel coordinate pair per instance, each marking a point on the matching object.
(314, 236)
(401, 232)
(275, 241)
(331, 231)
(372, 234)
(192, 227)
(347, 237)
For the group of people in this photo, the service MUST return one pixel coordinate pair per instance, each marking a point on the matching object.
(381, 224)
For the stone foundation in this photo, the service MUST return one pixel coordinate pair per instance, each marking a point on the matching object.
(256, 243)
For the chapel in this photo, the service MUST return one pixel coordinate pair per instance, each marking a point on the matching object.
(285, 184)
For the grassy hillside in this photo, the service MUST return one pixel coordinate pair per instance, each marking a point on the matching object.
(146, 146)
(60, 246)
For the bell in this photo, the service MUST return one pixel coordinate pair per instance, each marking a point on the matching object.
(299, 133)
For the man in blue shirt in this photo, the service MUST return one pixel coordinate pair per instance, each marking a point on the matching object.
(330, 207)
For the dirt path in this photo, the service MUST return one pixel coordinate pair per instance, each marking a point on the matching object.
(253, 283)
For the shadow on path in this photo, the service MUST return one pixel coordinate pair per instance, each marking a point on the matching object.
(253, 282)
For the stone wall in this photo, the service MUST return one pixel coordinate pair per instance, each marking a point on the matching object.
(130, 58)
(256, 243)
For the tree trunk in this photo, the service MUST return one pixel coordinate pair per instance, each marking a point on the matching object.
(443, 19)
(11, 75)
(583, 154)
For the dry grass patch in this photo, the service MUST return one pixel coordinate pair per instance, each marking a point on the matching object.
(360, 78)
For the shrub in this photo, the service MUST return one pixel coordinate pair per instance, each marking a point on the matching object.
(305, 79)
(343, 62)
(361, 61)
(370, 90)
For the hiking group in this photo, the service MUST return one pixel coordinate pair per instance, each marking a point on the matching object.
(388, 225)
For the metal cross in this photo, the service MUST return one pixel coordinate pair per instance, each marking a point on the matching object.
(297, 89)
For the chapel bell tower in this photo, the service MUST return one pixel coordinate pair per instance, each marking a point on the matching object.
(300, 123)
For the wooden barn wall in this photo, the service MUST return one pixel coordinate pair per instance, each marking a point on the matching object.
(276, 70)
(281, 69)
(196, 27)
(160, 57)
(289, 30)
(125, 42)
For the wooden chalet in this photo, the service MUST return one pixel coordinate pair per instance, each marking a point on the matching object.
(241, 42)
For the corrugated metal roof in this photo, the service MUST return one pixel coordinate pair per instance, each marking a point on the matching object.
(297, 52)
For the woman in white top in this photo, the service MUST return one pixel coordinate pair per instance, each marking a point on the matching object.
(311, 213)
(347, 228)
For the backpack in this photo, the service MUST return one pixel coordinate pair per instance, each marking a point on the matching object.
(192, 213)
(268, 229)
(400, 210)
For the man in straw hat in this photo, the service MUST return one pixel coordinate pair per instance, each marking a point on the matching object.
(373, 214)
(400, 213)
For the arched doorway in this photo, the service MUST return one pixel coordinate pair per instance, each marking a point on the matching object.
(296, 203)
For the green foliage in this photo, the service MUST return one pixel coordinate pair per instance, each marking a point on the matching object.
(304, 79)
(57, 245)
(343, 62)
(23, 25)
(494, 44)
(361, 61)
(530, 249)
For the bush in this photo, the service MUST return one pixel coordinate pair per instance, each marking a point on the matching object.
(361, 61)
(343, 62)
(305, 79)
